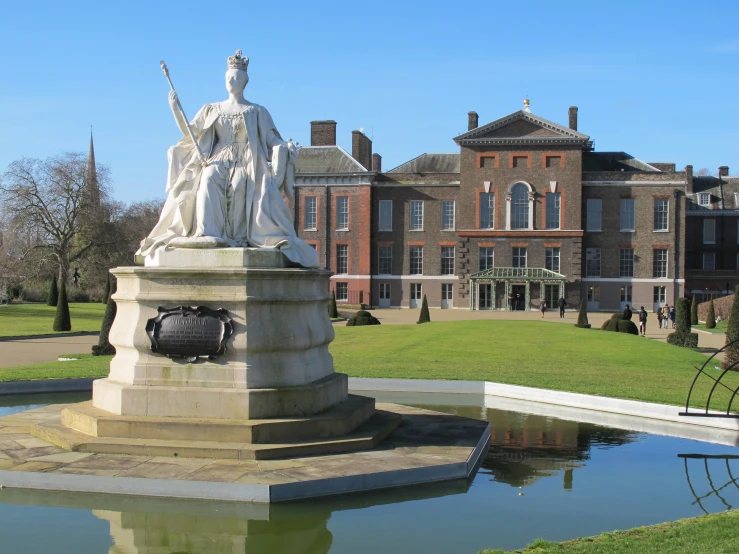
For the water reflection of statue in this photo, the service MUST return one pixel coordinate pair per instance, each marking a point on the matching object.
(233, 196)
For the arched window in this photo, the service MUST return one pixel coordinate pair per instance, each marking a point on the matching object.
(520, 206)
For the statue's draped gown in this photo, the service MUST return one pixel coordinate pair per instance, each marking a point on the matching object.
(234, 197)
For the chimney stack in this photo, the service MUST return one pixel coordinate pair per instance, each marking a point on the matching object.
(689, 179)
(472, 120)
(323, 133)
(573, 117)
(723, 171)
(362, 149)
(376, 163)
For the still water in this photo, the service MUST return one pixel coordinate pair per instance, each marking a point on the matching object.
(543, 477)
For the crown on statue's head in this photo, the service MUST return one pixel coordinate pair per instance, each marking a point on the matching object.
(237, 61)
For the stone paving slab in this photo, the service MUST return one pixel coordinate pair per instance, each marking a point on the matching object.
(427, 447)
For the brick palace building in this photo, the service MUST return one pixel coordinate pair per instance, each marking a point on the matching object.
(526, 208)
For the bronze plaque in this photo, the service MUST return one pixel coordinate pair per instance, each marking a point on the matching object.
(190, 332)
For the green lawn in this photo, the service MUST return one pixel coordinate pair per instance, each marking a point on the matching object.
(86, 366)
(38, 319)
(720, 327)
(530, 353)
(712, 534)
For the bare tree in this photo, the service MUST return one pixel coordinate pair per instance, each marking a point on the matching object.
(47, 203)
(704, 172)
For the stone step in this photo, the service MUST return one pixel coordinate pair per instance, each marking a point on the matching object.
(337, 421)
(367, 436)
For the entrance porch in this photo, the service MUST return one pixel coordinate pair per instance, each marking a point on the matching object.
(512, 288)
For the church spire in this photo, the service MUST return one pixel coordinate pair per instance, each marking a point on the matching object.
(92, 190)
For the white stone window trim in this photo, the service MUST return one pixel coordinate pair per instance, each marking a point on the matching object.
(509, 200)
(704, 198)
(423, 208)
(631, 229)
(313, 213)
(454, 215)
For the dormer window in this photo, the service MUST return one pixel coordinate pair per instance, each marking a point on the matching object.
(736, 199)
(704, 198)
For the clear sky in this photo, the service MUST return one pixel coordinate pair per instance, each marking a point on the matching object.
(657, 79)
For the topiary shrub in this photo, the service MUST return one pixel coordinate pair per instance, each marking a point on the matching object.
(103, 347)
(627, 313)
(53, 297)
(731, 354)
(62, 320)
(424, 317)
(694, 311)
(333, 312)
(582, 318)
(682, 316)
(628, 326)
(106, 290)
(687, 340)
(711, 317)
(362, 317)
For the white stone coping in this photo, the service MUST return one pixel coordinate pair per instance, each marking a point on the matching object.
(634, 408)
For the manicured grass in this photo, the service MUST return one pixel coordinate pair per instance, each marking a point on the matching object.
(17, 320)
(529, 353)
(86, 366)
(712, 534)
(720, 327)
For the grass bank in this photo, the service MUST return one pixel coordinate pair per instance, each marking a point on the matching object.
(719, 329)
(712, 534)
(86, 366)
(17, 320)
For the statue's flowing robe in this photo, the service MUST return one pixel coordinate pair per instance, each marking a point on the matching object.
(270, 223)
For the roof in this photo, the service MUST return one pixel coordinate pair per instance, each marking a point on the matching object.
(614, 161)
(521, 127)
(430, 163)
(326, 159)
(728, 186)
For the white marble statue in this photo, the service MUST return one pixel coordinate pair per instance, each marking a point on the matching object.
(232, 195)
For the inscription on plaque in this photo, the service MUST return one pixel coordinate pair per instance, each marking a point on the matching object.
(190, 332)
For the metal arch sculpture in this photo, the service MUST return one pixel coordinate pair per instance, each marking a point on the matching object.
(714, 490)
(717, 381)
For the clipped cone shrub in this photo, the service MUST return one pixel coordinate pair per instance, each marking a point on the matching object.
(582, 318)
(62, 320)
(53, 298)
(694, 311)
(103, 347)
(682, 335)
(628, 326)
(425, 317)
(333, 311)
(731, 354)
(711, 317)
(106, 290)
(362, 317)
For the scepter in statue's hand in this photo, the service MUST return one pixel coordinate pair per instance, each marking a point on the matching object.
(182, 111)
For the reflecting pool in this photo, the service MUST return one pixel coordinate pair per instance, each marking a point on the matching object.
(542, 477)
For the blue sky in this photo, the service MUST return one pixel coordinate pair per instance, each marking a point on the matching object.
(656, 79)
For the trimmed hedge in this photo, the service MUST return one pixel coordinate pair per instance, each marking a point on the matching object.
(619, 324)
(582, 318)
(362, 317)
(694, 311)
(424, 317)
(731, 356)
(711, 317)
(687, 340)
(333, 312)
(53, 298)
(628, 326)
(103, 347)
(62, 319)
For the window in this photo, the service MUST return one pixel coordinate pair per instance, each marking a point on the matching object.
(488, 162)
(487, 257)
(593, 293)
(594, 214)
(416, 215)
(385, 215)
(519, 256)
(660, 296)
(709, 261)
(385, 260)
(553, 203)
(592, 262)
(551, 261)
(626, 264)
(659, 263)
(709, 231)
(704, 198)
(628, 220)
(342, 292)
(736, 199)
(447, 215)
(487, 210)
(519, 206)
(416, 293)
(384, 291)
(311, 213)
(661, 217)
(342, 213)
(447, 260)
(342, 258)
(520, 161)
(446, 291)
(416, 259)
(553, 161)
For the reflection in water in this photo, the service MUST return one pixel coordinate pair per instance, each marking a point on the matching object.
(720, 481)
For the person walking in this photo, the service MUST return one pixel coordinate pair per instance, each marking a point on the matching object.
(672, 315)
(542, 307)
(627, 313)
(659, 318)
(562, 305)
(643, 322)
(665, 315)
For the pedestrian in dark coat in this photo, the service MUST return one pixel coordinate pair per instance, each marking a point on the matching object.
(562, 305)
(627, 313)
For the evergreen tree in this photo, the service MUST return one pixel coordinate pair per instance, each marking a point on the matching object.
(53, 298)
(731, 356)
(103, 347)
(694, 311)
(682, 316)
(582, 318)
(62, 321)
(425, 317)
(333, 312)
(711, 317)
(106, 290)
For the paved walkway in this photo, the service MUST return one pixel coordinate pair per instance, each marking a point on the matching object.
(36, 351)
